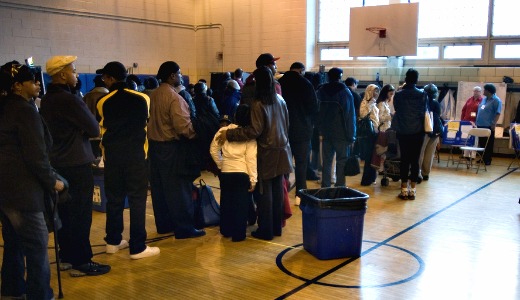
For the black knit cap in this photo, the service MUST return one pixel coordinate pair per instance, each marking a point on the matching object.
(166, 69)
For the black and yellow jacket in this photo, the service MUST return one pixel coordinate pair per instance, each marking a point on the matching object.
(124, 114)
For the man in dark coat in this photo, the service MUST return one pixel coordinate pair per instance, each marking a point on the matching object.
(71, 125)
(337, 125)
(302, 104)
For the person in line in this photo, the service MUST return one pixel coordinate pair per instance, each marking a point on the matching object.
(179, 87)
(238, 76)
(92, 97)
(124, 113)
(487, 117)
(231, 99)
(431, 139)
(269, 126)
(385, 120)
(368, 107)
(150, 84)
(383, 105)
(408, 121)
(302, 105)
(337, 125)
(237, 162)
(352, 84)
(169, 129)
(26, 176)
(71, 124)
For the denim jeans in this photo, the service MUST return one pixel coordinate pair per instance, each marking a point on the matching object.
(329, 148)
(25, 234)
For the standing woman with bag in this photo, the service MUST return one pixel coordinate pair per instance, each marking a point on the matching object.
(408, 122)
(368, 107)
(26, 176)
(385, 120)
(269, 126)
(431, 139)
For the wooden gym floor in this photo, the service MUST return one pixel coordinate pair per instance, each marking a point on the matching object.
(459, 239)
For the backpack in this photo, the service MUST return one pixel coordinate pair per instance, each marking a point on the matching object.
(365, 134)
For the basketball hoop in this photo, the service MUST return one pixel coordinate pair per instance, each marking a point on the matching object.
(378, 30)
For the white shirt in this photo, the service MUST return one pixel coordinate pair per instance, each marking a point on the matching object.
(235, 156)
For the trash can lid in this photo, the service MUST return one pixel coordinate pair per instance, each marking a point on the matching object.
(336, 198)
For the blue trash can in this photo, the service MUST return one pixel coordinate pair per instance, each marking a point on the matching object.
(333, 221)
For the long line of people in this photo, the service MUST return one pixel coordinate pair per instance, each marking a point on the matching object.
(163, 126)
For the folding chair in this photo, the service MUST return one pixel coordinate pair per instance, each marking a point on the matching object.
(479, 151)
(515, 145)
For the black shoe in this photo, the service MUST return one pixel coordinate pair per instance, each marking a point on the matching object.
(426, 177)
(89, 269)
(312, 176)
(238, 239)
(260, 236)
(192, 234)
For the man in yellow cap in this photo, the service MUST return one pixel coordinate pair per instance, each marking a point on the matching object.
(71, 125)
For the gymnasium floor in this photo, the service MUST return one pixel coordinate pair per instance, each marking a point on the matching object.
(458, 240)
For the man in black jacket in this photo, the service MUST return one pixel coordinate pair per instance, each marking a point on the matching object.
(337, 125)
(71, 125)
(124, 113)
(302, 105)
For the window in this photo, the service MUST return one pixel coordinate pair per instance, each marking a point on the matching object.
(335, 54)
(449, 18)
(473, 51)
(334, 18)
(507, 51)
(503, 15)
(426, 53)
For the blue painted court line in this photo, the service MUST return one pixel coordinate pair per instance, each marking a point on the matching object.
(348, 261)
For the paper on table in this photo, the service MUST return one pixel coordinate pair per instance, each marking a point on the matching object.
(499, 132)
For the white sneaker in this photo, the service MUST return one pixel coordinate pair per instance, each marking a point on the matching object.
(149, 251)
(297, 201)
(111, 249)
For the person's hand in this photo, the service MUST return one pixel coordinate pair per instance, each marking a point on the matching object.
(251, 187)
(59, 185)
(222, 138)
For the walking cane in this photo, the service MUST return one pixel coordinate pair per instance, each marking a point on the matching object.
(56, 248)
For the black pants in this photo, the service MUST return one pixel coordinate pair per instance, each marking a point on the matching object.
(171, 194)
(410, 146)
(488, 153)
(300, 151)
(234, 204)
(369, 173)
(270, 208)
(76, 215)
(126, 179)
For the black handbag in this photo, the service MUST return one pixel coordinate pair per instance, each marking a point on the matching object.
(207, 209)
(352, 164)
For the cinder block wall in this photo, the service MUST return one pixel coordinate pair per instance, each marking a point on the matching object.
(203, 36)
